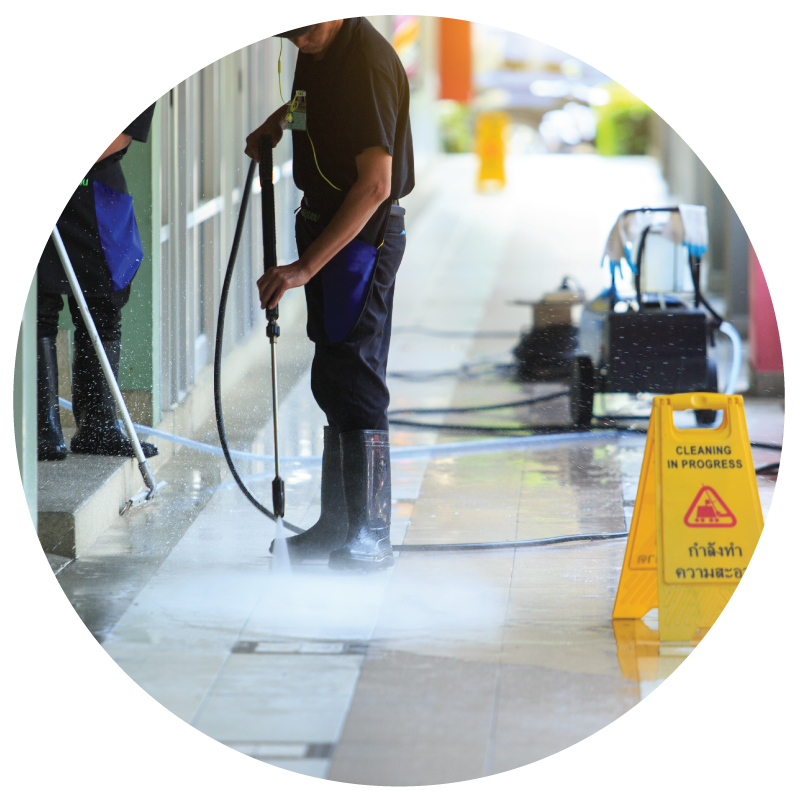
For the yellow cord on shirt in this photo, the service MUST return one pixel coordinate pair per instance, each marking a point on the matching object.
(315, 159)
(293, 107)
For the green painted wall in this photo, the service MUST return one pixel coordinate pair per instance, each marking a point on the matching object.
(139, 367)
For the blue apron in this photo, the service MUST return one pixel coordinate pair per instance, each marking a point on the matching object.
(346, 279)
(119, 234)
(100, 234)
(346, 282)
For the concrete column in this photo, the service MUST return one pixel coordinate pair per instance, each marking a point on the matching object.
(425, 95)
(726, 262)
(737, 259)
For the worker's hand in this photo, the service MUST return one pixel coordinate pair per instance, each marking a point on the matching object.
(273, 127)
(272, 285)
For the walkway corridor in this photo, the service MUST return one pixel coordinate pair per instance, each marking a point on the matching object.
(449, 666)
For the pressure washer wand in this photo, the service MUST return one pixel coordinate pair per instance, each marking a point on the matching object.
(273, 329)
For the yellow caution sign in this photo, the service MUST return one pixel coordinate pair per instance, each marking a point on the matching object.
(698, 495)
(638, 586)
(637, 649)
(490, 144)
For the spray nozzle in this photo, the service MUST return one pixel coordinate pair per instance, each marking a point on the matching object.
(278, 497)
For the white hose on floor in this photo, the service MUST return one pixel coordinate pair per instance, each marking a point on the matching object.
(412, 453)
(427, 451)
(736, 358)
(736, 363)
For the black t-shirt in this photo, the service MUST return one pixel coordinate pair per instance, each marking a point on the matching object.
(139, 129)
(357, 97)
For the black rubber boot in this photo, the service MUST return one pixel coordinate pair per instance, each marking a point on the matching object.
(330, 531)
(50, 440)
(367, 477)
(99, 431)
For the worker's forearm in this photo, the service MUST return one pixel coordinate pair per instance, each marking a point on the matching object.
(273, 126)
(121, 142)
(361, 203)
(279, 113)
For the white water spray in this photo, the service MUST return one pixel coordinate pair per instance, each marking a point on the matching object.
(280, 552)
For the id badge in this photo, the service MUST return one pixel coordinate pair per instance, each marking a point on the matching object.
(296, 118)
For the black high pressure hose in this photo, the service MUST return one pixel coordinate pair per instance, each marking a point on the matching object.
(223, 302)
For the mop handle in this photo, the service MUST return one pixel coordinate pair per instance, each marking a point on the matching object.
(144, 467)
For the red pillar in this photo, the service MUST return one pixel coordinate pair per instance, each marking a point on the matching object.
(766, 359)
(455, 59)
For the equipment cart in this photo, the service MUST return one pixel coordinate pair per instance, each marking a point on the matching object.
(650, 331)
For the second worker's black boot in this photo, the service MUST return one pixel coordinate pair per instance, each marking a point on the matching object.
(367, 477)
(99, 431)
(50, 440)
(329, 532)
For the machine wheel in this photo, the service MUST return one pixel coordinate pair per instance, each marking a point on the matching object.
(581, 391)
(706, 417)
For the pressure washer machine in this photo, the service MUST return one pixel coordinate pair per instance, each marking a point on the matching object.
(649, 332)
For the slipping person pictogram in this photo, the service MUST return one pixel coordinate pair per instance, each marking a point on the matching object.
(708, 510)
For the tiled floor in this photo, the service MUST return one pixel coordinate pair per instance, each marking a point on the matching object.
(451, 665)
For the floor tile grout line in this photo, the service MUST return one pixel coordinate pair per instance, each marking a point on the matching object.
(371, 637)
(206, 696)
(490, 744)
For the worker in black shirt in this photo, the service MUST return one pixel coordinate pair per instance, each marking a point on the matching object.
(99, 231)
(353, 160)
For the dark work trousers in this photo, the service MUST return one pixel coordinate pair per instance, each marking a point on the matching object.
(106, 311)
(348, 378)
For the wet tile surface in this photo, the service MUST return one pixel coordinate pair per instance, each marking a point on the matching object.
(450, 665)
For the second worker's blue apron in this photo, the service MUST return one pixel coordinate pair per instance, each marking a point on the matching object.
(99, 230)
